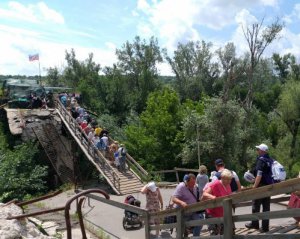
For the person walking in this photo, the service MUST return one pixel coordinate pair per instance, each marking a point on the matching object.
(154, 201)
(201, 179)
(122, 157)
(263, 176)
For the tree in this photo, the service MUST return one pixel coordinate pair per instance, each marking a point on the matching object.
(138, 62)
(232, 69)
(220, 133)
(282, 65)
(258, 39)
(289, 111)
(20, 173)
(53, 77)
(194, 70)
(116, 93)
(77, 71)
(153, 140)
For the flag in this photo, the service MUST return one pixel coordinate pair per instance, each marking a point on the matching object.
(34, 57)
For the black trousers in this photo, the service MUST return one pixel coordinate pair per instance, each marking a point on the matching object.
(265, 202)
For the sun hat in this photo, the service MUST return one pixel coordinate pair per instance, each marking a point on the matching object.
(152, 187)
(262, 147)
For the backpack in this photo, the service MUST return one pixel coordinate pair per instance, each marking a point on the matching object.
(123, 152)
(129, 199)
(278, 171)
(100, 144)
(233, 184)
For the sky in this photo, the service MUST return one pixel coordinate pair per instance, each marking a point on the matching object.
(52, 27)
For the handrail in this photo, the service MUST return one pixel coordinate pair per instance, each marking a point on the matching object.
(175, 170)
(66, 210)
(86, 144)
(226, 202)
(131, 161)
(137, 165)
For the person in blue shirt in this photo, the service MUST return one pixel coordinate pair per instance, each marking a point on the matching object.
(263, 176)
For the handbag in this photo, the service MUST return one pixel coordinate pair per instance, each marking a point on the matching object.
(197, 199)
(170, 219)
(294, 202)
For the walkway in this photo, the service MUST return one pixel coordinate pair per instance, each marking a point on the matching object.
(121, 183)
(109, 218)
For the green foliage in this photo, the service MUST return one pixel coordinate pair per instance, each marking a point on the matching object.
(153, 140)
(138, 62)
(289, 111)
(53, 77)
(20, 173)
(194, 69)
(220, 132)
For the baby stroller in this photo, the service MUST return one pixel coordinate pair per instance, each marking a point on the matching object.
(132, 220)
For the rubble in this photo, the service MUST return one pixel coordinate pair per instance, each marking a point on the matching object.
(14, 229)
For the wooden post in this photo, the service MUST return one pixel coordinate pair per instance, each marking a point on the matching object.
(177, 176)
(147, 225)
(180, 224)
(228, 222)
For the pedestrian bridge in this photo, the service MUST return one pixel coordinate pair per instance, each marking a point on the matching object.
(121, 182)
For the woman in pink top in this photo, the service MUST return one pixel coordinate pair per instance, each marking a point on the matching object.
(218, 188)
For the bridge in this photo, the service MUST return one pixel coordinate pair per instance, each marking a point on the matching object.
(45, 129)
(121, 182)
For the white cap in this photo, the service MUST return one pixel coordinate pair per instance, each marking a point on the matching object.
(152, 187)
(262, 147)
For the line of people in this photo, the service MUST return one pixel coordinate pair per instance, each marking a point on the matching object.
(223, 182)
(95, 134)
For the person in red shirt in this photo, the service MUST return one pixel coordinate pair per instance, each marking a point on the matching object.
(218, 188)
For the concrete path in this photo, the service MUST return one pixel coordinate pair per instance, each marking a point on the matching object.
(109, 218)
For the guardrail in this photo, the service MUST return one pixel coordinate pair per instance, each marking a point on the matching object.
(88, 146)
(239, 199)
(176, 171)
(65, 208)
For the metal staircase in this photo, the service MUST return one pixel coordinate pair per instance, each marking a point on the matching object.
(122, 183)
(58, 155)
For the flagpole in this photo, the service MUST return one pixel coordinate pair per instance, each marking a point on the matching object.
(40, 72)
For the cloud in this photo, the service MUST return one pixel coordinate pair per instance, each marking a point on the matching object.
(17, 44)
(244, 17)
(176, 20)
(49, 14)
(34, 13)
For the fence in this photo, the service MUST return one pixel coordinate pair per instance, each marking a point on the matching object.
(239, 200)
(87, 146)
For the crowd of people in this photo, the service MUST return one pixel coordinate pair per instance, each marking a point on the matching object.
(94, 133)
(222, 182)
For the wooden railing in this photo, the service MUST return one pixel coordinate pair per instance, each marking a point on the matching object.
(239, 200)
(79, 134)
(136, 167)
(161, 173)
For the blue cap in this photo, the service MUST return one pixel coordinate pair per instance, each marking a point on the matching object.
(219, 162)
(185, 178)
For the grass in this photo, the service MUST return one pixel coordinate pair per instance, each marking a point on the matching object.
(98, 232)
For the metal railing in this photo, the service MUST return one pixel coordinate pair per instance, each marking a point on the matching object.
(65, 208)
(93, 152)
